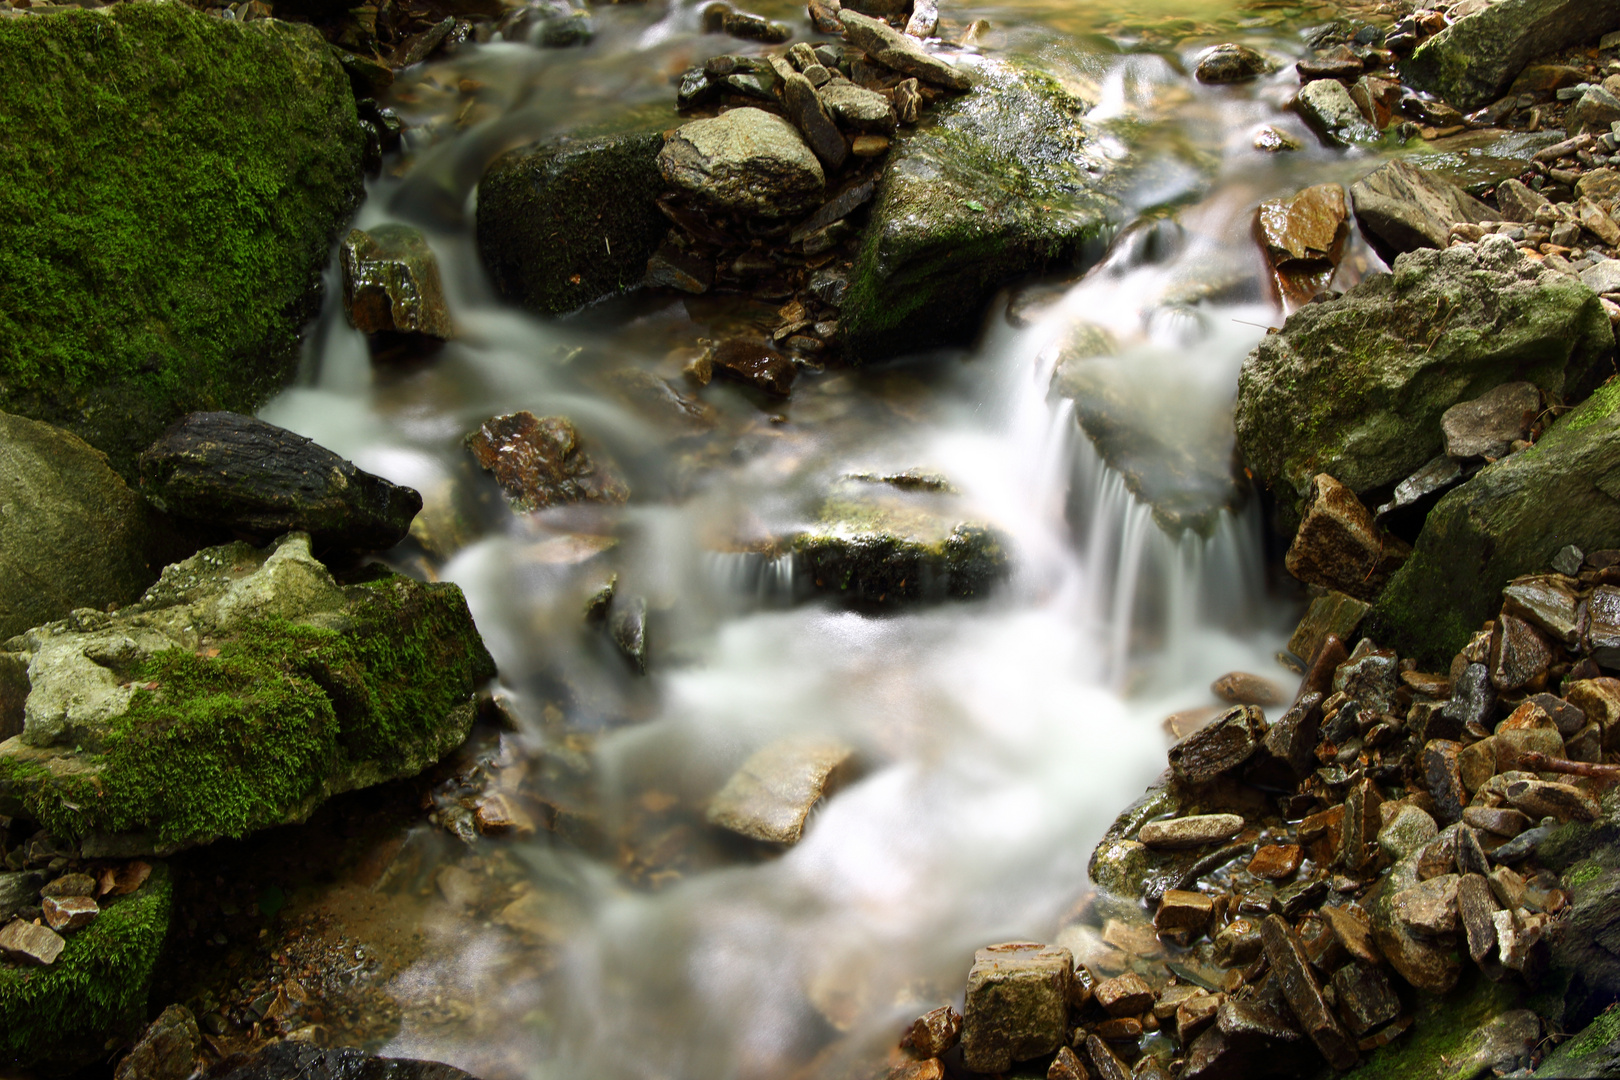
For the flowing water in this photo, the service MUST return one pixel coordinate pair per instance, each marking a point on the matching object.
(997, 739)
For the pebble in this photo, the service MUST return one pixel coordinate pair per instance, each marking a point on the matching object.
(869, 145)
(935, 1032)
(1193, 831)
(1124, 995)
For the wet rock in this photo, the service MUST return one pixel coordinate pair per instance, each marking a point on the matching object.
(627, 626)
(1231, 63)
(1412, 498)
(1355, 387)
(904, 54)
(73, 535)
(291, 689)
(1181, 912)
(1304, 994)
(1548, 602)
(70, 913)
(1334, 613)
(1104, 1061)
(1471, 62)
(674, 267)
(755, 364)
(1067, 1066)
(166, 1050)
(1276, 862)
(1365, 998)
(240, 473)
(935, 1032)
(1340, 546)
(1545, 798)
(1002, 183)
(1243, 688)
(1287, 754)
(1421, 962)
(1196, 830)
(745, 160)
(539, 462)
(391, 283)
(1219, 747)
(1272, 141)
(207, 307)
(1405, 208)
(1519, 658)
(569, 221)
(858, 107)
(1370, 677)
(1359, 829)
(1603, 626)
(1017, 1004)
(1353, 931)
(809, 115)
(1444, 780)
(293, 1060)
(1408, 831)
(1247, 1039)
(1490, 424)
(1327, 106)
(1304, 238)
(771, 795)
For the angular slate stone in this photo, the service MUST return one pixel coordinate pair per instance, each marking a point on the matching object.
(1304, 994)
(1220, 746)
(1017, 1004)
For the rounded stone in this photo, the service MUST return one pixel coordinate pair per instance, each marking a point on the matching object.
(746, 160)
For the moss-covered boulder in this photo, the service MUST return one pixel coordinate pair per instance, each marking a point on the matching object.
(1510, 519)
(1355, 387)
(72, 534)
(170, 186)
(570, 221)
(1472, 62)
(245, 688)
(60, 1017)
(998, 183)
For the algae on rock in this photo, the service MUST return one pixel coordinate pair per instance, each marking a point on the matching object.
(1001, 182)
(244, 689)
(60, 1017)
(170, 187)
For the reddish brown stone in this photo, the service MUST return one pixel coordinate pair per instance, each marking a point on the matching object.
(539, 462)
(1304, 994)
(1183, 912)
(1340, 546)
(934, 1032)
(1276, 861)
(1125, 995)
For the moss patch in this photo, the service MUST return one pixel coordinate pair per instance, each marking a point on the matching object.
(62, 1015)
(282, 717)
(170, 185)
(1441, 1029)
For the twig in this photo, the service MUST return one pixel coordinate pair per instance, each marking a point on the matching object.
(1539, 762)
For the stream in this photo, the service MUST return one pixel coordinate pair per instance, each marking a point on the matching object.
(996, 738)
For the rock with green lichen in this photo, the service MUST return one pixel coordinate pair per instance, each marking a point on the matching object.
(883, 544)
(1510, 519)
(568, 222)
(244, 689)
(1356, 387)
(1593, 1053)
(1445, 1033)
(55, 1019)
(170, 187)
(1002, 183)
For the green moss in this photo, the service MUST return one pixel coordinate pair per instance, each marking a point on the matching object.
(1441, 1029)
(170, 185)
(1584, 874)
(267, 728)
(63, 1015)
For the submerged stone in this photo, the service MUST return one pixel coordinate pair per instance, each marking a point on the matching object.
(170, 190)
(771, 795)
(243, 690)
(540, 462)
(291, 1059)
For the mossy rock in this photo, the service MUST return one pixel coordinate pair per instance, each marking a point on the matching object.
(61, 1017)
(1355, 387)
(1444, 1030)
(997, 184)
(1595, 1052)
(170, 186)
(244, 689)
(1509, 519)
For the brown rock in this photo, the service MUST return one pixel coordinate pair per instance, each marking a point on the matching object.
(1304, 994)
(69, 913)
(1340, 546)
(1195, 830)
(1066, 1066)
(1276, 862)
(166, 1050)
(1499, 821)
(1303, 238)
(1332, 614)
(1527, 730)
(1477, 908)
(1104, 1061)
(1476, 763)
(1422, 963)
(1518, 202)
(1595, 220)
(1287, 753)
(771, 795)
(1365, 998)
(1242, 688)
(540, 462)
(391, 283)
(1125, 995)
(756, 364)
(1119, 1029)
(1429, 907)
(1354, 932)
(24, 943)
(1183, 912)
(1519, 656)
(1543, 798)
(1599, 699)
(895, 50)
(1507, 886)
(1362, 820)
(1017, 1004)
(935, 1031)
(1220, 747)
(1197, 1012)
(70, 885)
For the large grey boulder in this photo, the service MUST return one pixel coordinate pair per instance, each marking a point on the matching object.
(1471, 62)
(1002, 183)
(1404, 208)
(567, 222)
(1328, 107)
(1356, 387)
(746, 160)
(1509, 520)
(244, 689)
(72, 534)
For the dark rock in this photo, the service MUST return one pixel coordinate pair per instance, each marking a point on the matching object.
(809, 115)
(1414, 496)
(114, 338)
(301, 1061)
(1519, 657)
(1405, 208)
(69, 913)
(1124, 995)
(771, 794)
(627, 626)
(1287, 754)
(1340, 546)
(238, 472)
(1471, 62)
(1304, 994)
(1352, 930)
(751, 27)
(1473, 701)
(904, 54)
(567, 222)
(1370, 677)
(1443, 780)
(391, 283)
(1490, 424)
(1498, 821)
(1182, 912)
(1362, 821)
(1517, 202)
(1365, 998)
(1603, 626)
(673, 267)
(1471, 858)
(1476, 907)
(1219, 747)
(72, 534)
(1067, 1066)
(1551, 603)
(1331, 614)
(756, 364)
(1003, 182)
(1247, 1040)
(539, 462)
(1355, 387)
(167, 1050)
(1594, 1052)
(1017, 1004)
(1327, 106)
(1103, 1059)
(1599, 702)
(18, 889)
(1231, 63)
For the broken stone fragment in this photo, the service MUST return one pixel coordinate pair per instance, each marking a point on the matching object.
(1549, 602)
(70, 913)
(1195, 830)
(167, 1050)
(1429, 907)
(1359, 830)
(1066, 1066)
(540, 462)
(391, 283)
(1405, 208)
(1519, 658)
(755, 364)
(1124, 995)
(1365, 998)
(1242, 688)
(1477, 908)
(1544, 798)
(1220, 747)
(1276, 862)
(1406, 832)
(904, 54)
(934, 1032)
(1444, 780)
(1339, 545)
(772, 794)
(1354, 933)
(1303, 239)
(1183, 912)
(1104, 1061)
(1490, 424)
(1304, 994)
(25, 943)
(1017, 1004)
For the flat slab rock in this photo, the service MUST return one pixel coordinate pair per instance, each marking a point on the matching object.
(24, 943)
(771, 795)
(239, 472)
(1195, 830)
(301, 1061)
(745, 160)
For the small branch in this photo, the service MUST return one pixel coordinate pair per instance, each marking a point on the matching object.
(1542, 763)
